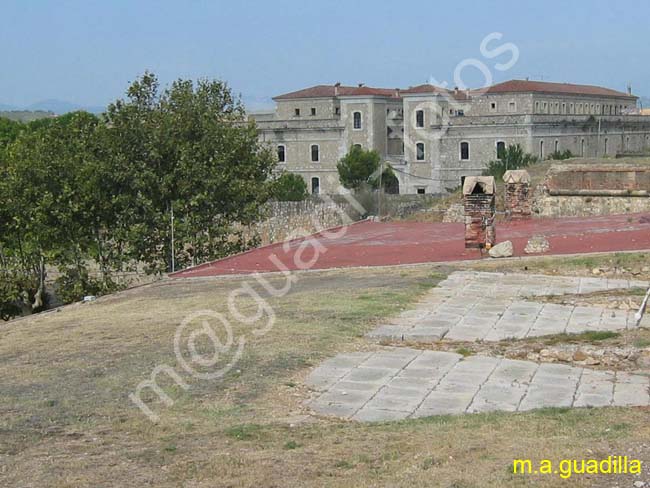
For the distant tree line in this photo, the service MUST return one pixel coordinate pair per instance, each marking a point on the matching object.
(81, 190)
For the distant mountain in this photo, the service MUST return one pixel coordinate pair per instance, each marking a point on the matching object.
(60, 107)
(25, 115)
(6, 108)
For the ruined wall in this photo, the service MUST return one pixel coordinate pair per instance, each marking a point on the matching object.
(285, 219)
(583, 190)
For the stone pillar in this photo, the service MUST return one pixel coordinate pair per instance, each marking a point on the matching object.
(480, 210)
(518, 197)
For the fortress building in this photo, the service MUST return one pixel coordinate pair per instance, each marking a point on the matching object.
(432, 136)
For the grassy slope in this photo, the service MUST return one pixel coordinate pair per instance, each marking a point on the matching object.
(65, 419)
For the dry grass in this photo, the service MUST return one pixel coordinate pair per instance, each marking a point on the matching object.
(66, 420)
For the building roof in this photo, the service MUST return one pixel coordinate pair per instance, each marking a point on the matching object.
(328, 91)
(427, 89)
(525, 86)
(512, 86)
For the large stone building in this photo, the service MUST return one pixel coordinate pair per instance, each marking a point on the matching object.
(433, 136)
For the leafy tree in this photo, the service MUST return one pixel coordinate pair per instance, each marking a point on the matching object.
(187, 150)
(289, 187)
(358, 167)
(513, 157)
(44, 219)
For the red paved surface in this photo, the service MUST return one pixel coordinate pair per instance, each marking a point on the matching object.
(381, 244)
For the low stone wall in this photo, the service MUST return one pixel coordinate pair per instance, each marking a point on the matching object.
(285, 219)
(583, 190)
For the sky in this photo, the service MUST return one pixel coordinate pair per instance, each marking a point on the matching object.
(87, 52)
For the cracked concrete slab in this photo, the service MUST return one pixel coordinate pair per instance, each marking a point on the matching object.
(400, 383)
(473, 306)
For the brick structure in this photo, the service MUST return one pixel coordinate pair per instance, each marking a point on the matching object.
(517, 194)
(480, 207)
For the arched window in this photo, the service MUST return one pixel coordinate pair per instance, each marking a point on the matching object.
(282, 153)
(557, 146)
(541, 149)
(501, 149)
(582, 148)
(419, 118)
(356, 116)
(606, 144)
(315, 156)
(315, 185)
(419, 151)
(464, 151)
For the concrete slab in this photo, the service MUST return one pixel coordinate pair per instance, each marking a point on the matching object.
(474, 306)
(424, 383)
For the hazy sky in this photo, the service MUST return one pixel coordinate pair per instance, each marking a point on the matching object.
(88, 51)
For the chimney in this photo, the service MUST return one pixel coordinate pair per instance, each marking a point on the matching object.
(629, 88)
(397, 92)
(336, 88)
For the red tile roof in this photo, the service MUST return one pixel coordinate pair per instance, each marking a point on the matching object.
(512, 86)
(524, 86)
(424, 89)
(326, 91)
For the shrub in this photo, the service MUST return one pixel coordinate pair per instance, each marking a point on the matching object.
(560, 155)
(513, 157)
(289, 187)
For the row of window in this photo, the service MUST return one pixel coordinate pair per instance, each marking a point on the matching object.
(463, 150)
(314, 152)
(579, 108)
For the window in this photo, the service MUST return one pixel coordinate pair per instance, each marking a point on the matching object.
(419, 150)
(282, 153)
(501, 149)
(314, 153)
(571, 109)
(541, 149)
(419, 118)
(557, 146)
(313, 111)
(464, 151)
(356, 116)
(512, 106)
(493, 106)
(297, 112)
(536, 107)
(337, 110)
(315, 185)
(358, 146)
(606, 144)
(564, 108)
(420, 191)
(582, 148)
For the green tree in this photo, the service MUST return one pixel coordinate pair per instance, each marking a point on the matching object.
(358, 167)
(513, 157)
(289, 187)
(187, 150)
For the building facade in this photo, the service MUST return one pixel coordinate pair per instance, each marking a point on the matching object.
(432, 137)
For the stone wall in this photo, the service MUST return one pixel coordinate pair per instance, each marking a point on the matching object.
(286, 220)
(583, 190)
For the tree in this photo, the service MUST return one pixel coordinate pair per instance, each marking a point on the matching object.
(44, 216)
(188, 151)
(289, 187)
(513, 157)
(357, 168)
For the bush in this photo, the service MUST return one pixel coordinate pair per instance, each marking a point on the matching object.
(17, 291)
(513, 157)
(76, 283)
(289, 187)
(559, 155)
